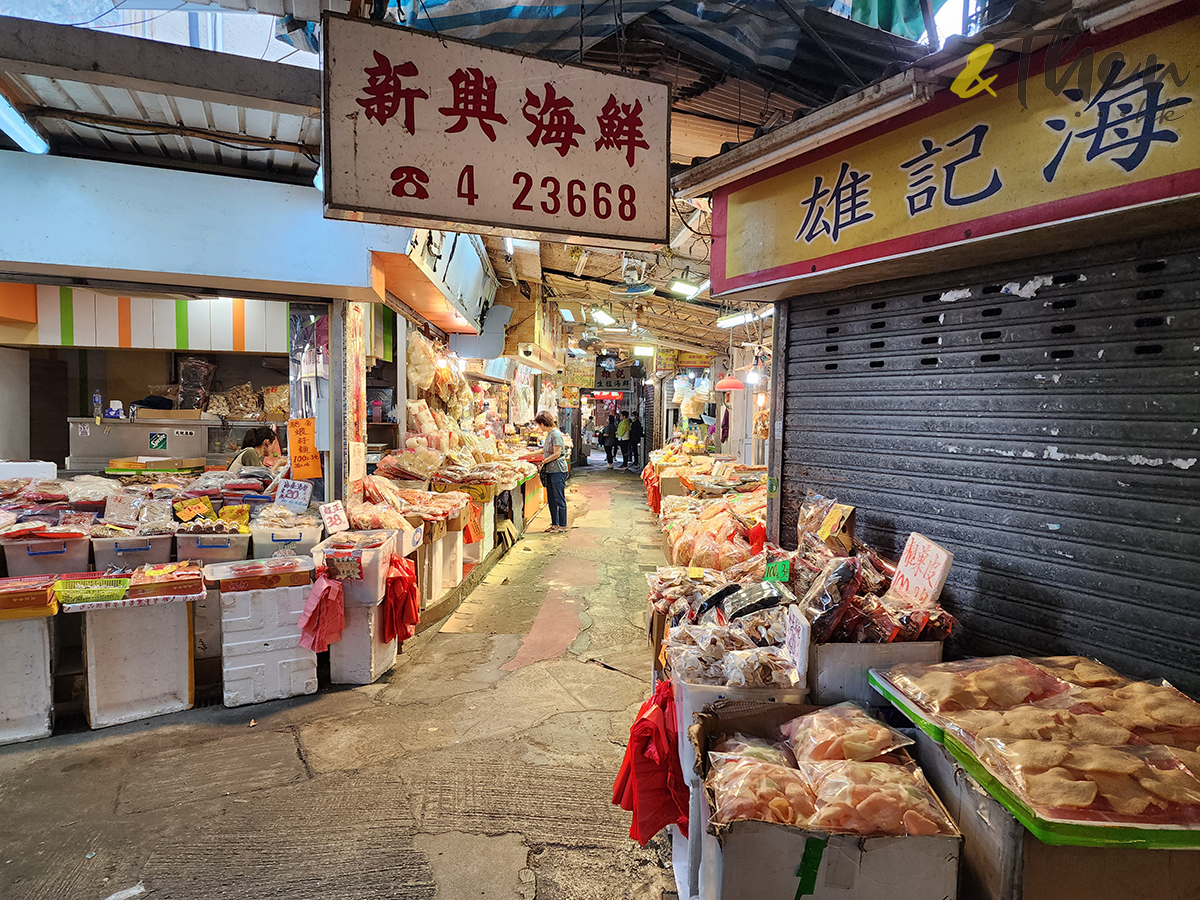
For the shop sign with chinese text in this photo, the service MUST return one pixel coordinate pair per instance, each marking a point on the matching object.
(1029, 151)
(421, 128)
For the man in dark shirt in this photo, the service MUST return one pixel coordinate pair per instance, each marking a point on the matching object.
(636, 433)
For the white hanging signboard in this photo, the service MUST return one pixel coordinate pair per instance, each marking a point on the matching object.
(421, 129)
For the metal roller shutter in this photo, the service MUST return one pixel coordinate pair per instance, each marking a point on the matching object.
(1038, 419)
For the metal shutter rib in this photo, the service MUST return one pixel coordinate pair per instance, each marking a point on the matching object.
(1049, 441)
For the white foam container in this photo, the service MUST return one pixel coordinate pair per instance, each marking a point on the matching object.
(138, 661)
(367, 590)
(26, 702)
(212, 548)
(452, 560)
(130, 552)
(360, 657)
(266, 542)
(261, 656)
(47, 557)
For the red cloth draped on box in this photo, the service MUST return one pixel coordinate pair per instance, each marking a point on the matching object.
(653, 490)
(400, 612)
(324, 615)
(650, 783)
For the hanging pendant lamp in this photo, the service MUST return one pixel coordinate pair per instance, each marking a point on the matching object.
(730, 383)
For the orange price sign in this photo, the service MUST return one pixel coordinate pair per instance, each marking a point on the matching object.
(302, 448)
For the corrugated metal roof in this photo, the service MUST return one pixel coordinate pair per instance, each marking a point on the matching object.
(87, 119)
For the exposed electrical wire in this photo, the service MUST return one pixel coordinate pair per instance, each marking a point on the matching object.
(165, 12)
(116, 5)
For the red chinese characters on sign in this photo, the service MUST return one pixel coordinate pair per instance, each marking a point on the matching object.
(385, 92)
(621, 126)
(553, 120)
(474, 98)
(410, 182)
(922, 571)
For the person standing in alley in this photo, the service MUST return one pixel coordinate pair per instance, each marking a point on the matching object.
(554, 465)
(623, 428)
(609, 439)
(636, 433)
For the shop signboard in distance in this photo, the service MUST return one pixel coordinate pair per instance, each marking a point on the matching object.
(423, 129)
(922, 571)
(334, 516)
(294, 494)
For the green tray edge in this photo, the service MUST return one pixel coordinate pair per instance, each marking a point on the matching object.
(934, 731)
(1064, 834)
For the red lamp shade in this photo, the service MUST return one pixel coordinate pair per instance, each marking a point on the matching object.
(730, 383)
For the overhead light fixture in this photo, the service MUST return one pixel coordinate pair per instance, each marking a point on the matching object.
(735, 320)
(319, 178)
(567, 314)
(643, 351)
(704, 285)
(14, 125)
(582, 262)
(599, 315)
(508, 246)
(730, 383)
(618, 330)
(766, 313)
(752, 377)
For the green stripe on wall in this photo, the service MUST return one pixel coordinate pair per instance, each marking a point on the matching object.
(181, 325)
(389, 335)
(66, 316)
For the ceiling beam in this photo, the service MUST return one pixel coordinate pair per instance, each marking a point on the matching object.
(133, 64)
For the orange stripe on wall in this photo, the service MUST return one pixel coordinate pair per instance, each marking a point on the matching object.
(124, 330)
(239, 325)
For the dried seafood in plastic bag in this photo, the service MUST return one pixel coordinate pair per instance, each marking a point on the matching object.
(844, 731)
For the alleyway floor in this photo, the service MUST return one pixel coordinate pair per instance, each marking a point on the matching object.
(480, 767)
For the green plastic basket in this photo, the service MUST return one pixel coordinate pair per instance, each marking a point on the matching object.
(91, 590)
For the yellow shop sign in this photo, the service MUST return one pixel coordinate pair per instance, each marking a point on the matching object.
(1114, 124)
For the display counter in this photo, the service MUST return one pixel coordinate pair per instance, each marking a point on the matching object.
(93, 444)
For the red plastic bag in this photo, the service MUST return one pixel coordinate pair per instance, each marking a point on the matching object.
(400, 612)
(473, 533)
(324, 615)
(650, 783)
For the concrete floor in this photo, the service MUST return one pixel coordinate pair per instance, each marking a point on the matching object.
(481, 766)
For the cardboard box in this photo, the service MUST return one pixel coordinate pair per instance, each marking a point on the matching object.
(430, 531)
(656, 630)
(146, 464)
(670, 486)
(459, 522)
(838, 672)
(1001, 860)
(758, 860)
(483, 493)
(172, 414)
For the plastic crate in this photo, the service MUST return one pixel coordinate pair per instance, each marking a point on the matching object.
(81, 589)
(266, 541)
(47, 557)
(212, 548)
(374, 562)
(131, 552)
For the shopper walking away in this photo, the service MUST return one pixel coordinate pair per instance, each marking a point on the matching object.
(636, 433)
(554, 467)
(609, 439)
(623, 428)
(588, 438)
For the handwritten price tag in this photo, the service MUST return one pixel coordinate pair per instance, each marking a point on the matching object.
(778, 571)
(294, 494)
(334, 516)
(345, 568)
(922, 572)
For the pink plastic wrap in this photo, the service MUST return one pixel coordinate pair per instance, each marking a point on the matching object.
(840, 732)
(752, 789)
(875, 798)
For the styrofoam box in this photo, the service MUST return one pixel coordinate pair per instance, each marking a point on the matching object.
(429, 573)
(360, 657)
(206, 626)
(212, 548)
(131, 551)
(25, 695)
(27, 469)
(138, 661)
(265, 541)
(693, 698)
(52, 557)
(452, 560)
(261, 656)
(368, 590)
(838, 672)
